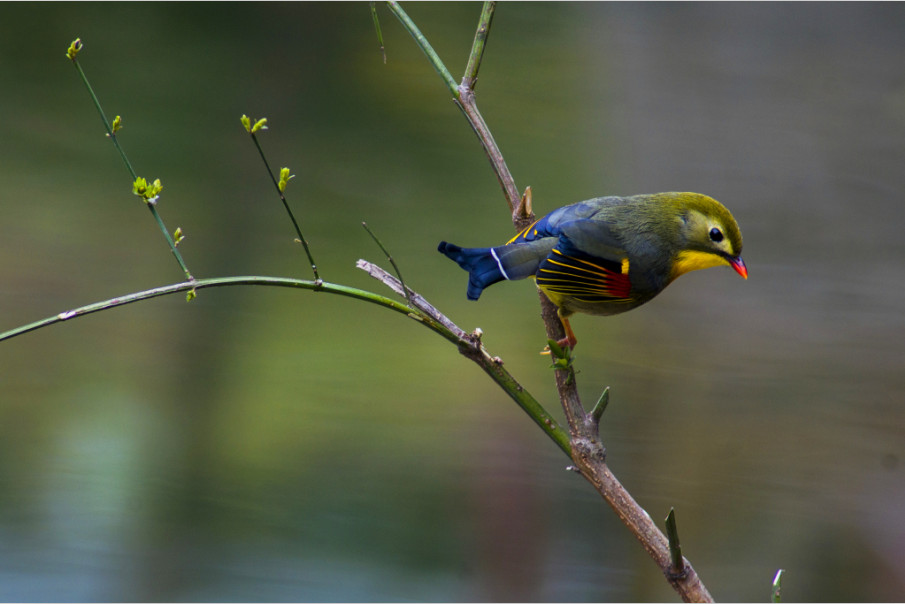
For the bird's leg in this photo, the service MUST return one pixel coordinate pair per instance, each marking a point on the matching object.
(567, 342)
(570, 340)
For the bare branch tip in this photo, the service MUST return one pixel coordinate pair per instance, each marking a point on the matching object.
(677, 568)
(776, 593)
(600, 406)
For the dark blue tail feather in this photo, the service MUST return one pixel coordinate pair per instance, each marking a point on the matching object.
(482, 267)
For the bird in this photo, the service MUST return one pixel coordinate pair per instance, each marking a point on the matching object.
(609, 255)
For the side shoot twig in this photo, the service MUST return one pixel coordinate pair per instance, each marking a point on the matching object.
(463, 94)
(406, 292)
(139, 185)
(280, 184)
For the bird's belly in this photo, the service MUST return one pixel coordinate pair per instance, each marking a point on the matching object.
(569, 304)
(604, 308)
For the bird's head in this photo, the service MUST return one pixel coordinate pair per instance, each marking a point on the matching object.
(708, 235)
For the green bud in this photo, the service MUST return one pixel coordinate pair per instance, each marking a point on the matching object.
(117, 124)
(139, 186)
(285, 177)
(148, 192)
(561, 356)
(191, 295)
(74, 49)
(261, 124)
(178, 236)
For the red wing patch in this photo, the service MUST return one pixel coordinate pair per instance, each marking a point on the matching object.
(584, 278)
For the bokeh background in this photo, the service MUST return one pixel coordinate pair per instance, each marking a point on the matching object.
(264, 444)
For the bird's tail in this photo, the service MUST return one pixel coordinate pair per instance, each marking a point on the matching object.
(483, 266)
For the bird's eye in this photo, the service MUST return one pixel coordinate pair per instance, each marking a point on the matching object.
(716, 235)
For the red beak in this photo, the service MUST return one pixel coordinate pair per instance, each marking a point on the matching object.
(739, 265)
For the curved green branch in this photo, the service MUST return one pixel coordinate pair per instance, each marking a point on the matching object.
(420, 311)
(195, 284)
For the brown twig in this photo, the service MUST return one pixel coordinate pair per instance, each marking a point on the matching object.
(413, 297)
(471, 347)
(587, 452)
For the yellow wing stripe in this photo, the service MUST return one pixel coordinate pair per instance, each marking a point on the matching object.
(524, 232)
(599, 271)
(601, 278)
(583, 279)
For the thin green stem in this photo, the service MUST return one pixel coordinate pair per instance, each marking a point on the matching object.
(477, 48)
(408, 294)
(170, 241)
(100, 110)
(217, 282)
(464, 96)
(383, 50)
(295, 223)
(425, 46)
(112, 136)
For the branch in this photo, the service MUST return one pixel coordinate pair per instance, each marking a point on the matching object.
(187, 286)
(470, 346)
(279, 185)
(581, 442)
(72, 53)
(587, 452)
(425, 46)
(420, 310)
(776, 593)
(477, 48)
(463, 95)
(414, 298)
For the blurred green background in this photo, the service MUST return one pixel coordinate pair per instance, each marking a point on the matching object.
(264, 444)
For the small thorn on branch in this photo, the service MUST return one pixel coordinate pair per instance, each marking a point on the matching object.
(776, 593)
(524, 209)
(405, 290)
(600, 406)
(677, 568)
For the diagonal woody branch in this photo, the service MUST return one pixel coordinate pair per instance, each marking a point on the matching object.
(470, 346)
(587, 452)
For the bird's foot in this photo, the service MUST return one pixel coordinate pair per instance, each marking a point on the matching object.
(560, 352)
(558, 348)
